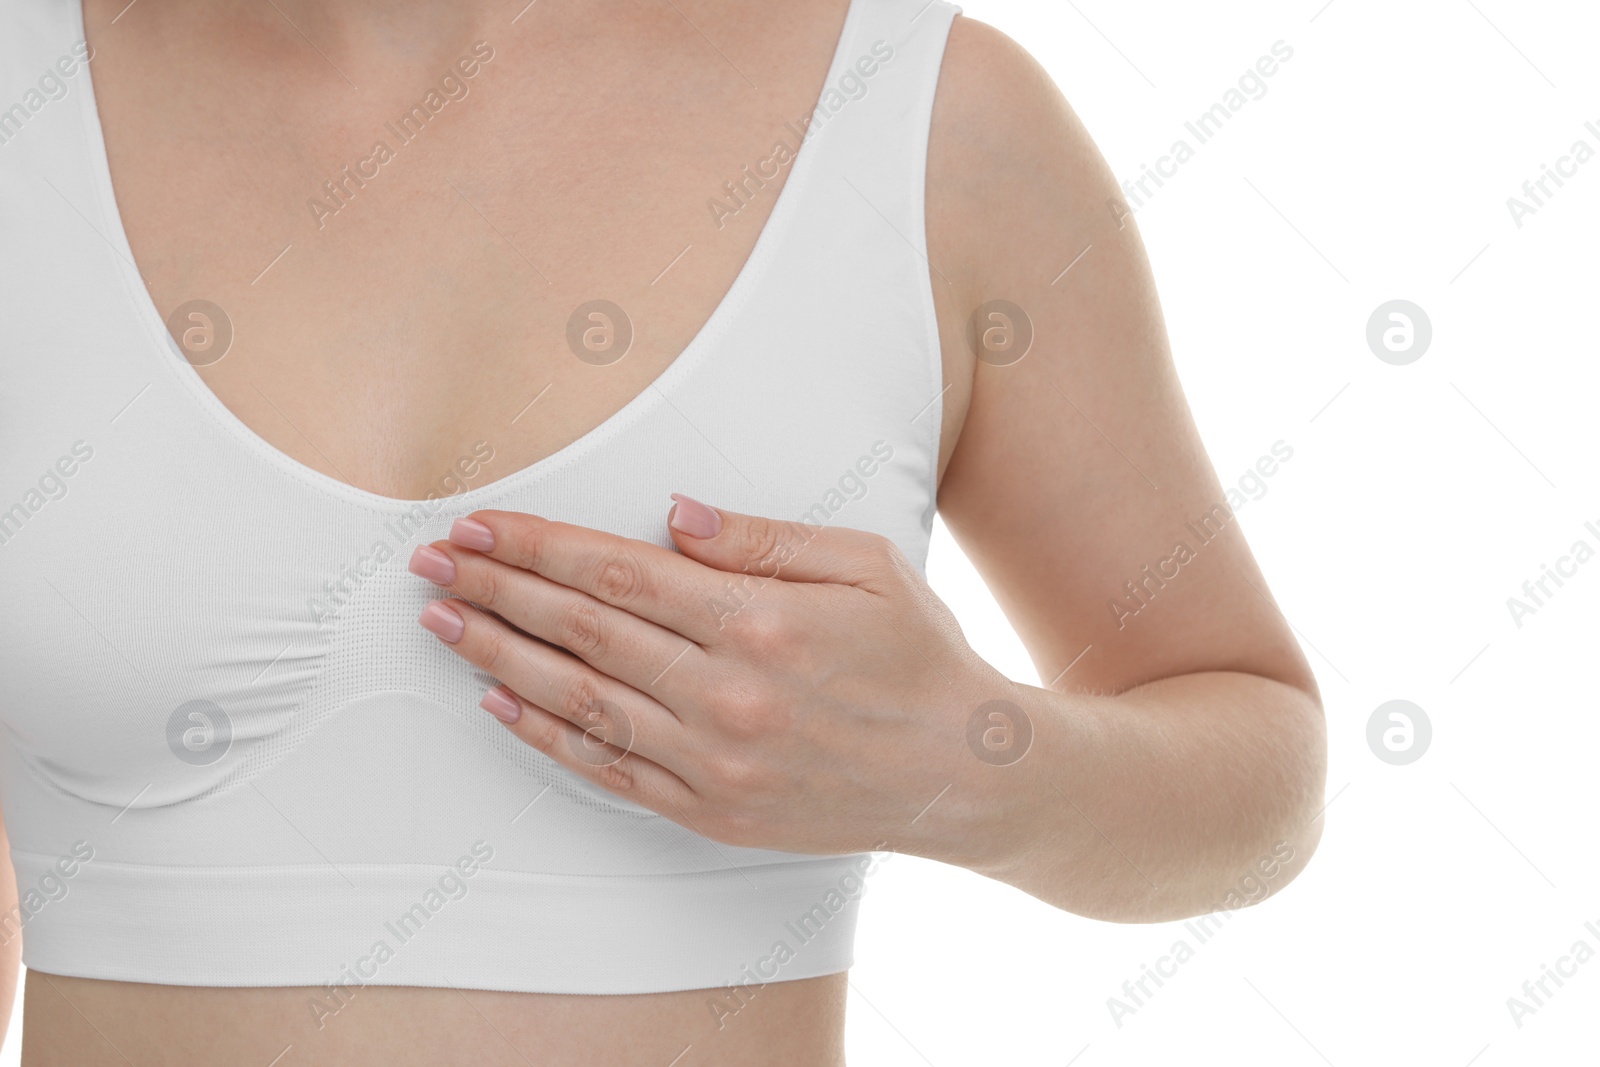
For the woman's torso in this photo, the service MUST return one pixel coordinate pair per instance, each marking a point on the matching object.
(416, 322)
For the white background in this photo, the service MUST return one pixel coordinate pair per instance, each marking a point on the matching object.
(1419, 499)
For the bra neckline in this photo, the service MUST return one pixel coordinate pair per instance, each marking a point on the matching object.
(207, 402)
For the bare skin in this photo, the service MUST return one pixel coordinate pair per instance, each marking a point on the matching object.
(418, 320)
(10, 933)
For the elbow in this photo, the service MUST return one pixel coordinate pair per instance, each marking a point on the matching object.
(1296, 829)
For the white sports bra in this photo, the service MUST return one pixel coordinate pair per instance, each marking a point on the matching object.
(231, 757)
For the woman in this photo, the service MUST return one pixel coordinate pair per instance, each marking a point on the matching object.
(330, 319)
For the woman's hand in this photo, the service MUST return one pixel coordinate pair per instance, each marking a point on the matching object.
(776, 685)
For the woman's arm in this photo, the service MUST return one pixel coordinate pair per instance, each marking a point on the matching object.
(1183, 751)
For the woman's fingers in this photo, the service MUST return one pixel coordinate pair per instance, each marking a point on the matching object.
(628, 774)
(612, 640)
(646, 580)
(601, 709)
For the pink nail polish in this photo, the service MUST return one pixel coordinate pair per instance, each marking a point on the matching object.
(428, 562)
(694, 518)
(470, 533)
(444, 621)
(501, 704)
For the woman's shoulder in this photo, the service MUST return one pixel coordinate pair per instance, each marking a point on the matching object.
(1016, 188)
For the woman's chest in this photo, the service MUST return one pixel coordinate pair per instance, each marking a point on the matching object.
(489, 242)
(227, 416)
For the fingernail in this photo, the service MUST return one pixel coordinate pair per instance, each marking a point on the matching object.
(430, 563)
(501, 704)
(470, 533)
(693, 518)
(441, 620)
